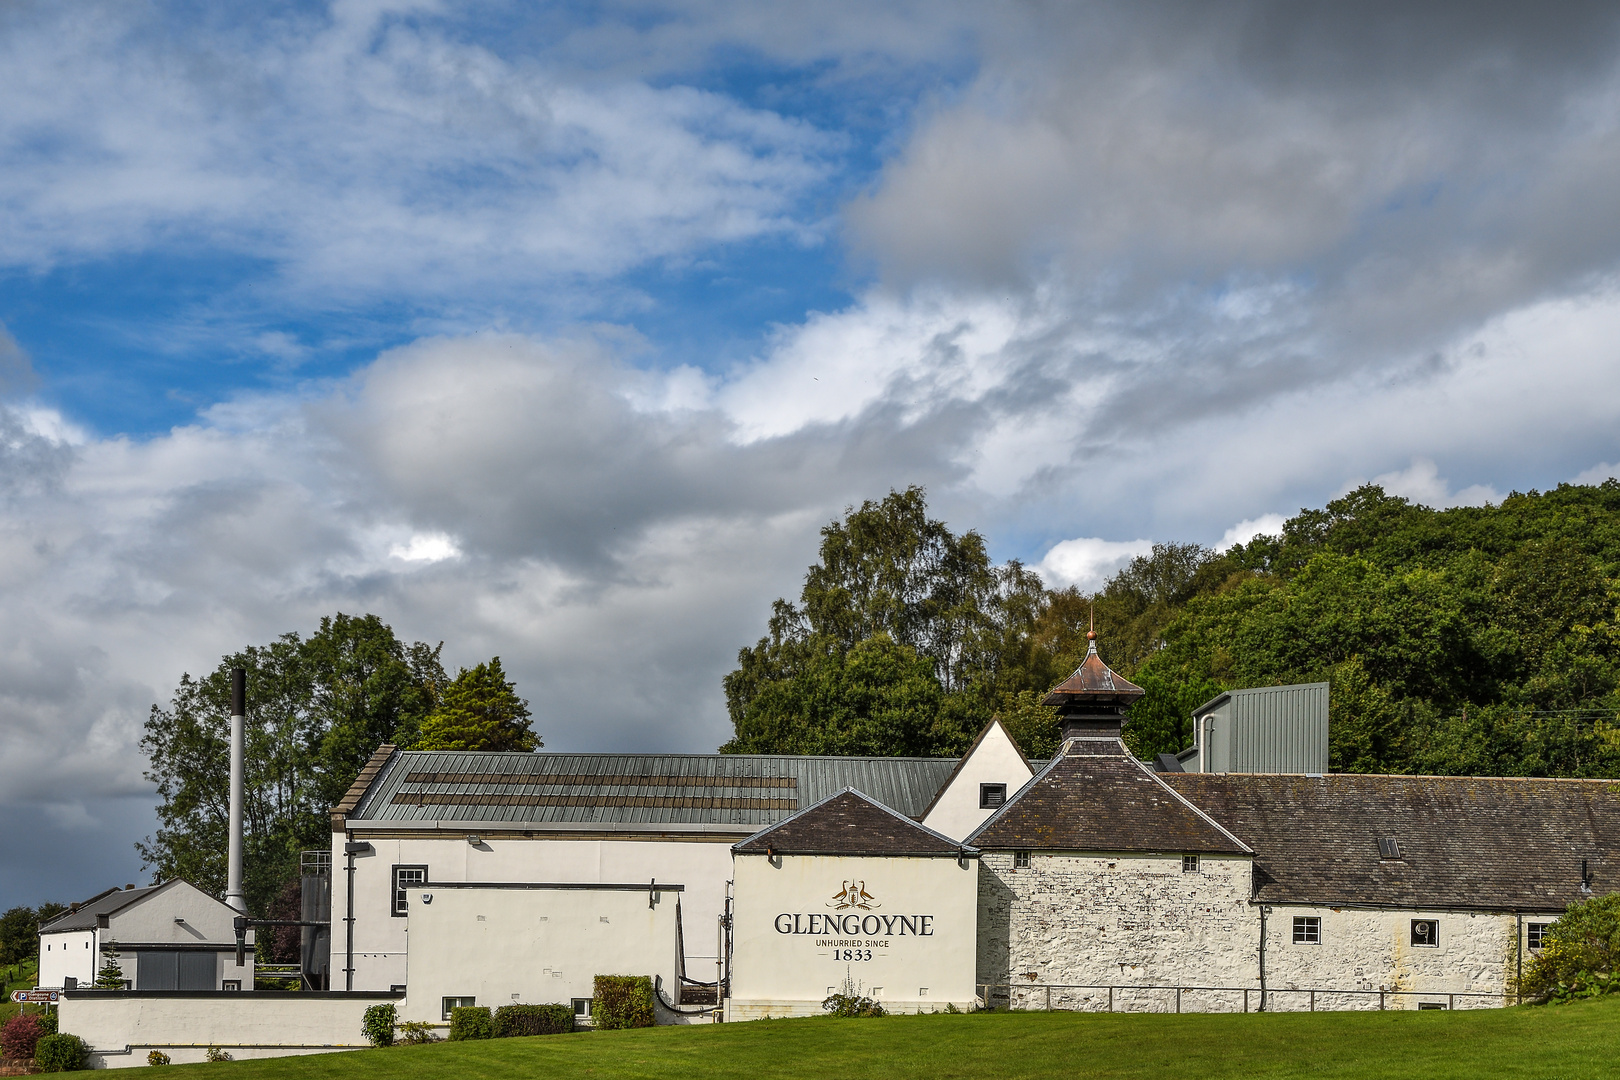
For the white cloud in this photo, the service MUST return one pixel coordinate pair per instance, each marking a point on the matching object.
(1597, 473)
(426, 547)
(1087, 561)
(1422, 483)
(374, 152)
(1244, 531)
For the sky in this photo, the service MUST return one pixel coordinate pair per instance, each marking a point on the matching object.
(557, 331)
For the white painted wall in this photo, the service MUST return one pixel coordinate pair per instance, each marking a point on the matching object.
(777, 973)
(533, 945)
(703, 866)
(122, 1029)
(70, 954)
(994, 760)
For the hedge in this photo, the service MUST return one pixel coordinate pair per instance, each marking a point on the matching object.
(470, 1022)
(622, 1001)
(60, 1053)
(518, 1020)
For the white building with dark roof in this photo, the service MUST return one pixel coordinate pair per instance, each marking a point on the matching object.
(171, 936)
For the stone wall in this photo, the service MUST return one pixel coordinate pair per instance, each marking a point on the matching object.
(1099, 920)
(1065, 929)
(1372, 950)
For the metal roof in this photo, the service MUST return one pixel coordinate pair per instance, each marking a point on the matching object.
(743, 790)
(84, 916)
(1093, 683)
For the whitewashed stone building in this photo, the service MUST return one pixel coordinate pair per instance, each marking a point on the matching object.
(1106, 885)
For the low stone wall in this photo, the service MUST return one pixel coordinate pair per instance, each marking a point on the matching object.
(122, 1028)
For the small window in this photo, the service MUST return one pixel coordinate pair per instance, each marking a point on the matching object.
(1426, 932)
(922, 991)
(1020, 860)
(992, 796)
(405, 879)
(1537, 932)
(1189, 864)
(231, 984)
(1389, 848)
(1307, 930)
(1431, 1004)
(456, 1003)
(582, 1008)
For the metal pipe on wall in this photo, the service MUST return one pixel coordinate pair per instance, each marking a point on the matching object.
(233, 861)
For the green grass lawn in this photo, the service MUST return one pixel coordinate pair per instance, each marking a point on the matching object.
(1571, 1041)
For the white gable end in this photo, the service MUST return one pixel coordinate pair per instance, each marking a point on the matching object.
(994, 759)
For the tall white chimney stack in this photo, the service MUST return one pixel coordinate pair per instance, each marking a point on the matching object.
(233, 868)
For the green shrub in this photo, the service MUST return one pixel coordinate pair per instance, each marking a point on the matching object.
(517, 1020)
(47, 1020)
(418, 1032)
(157, 1057)
(1580, 953)
(378, 1024)
(622, 1001)
(851, 1004)
(60, 1053)
(216, 1054)
(471, 1022)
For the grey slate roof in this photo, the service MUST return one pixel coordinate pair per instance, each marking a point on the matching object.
(849, 823)
(1465, 842)
(101, 904)
(742, 790)
(1094, 796)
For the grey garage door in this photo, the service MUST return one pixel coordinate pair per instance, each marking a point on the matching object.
(174, 970)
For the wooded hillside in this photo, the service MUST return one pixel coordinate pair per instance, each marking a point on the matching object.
(1475, 640)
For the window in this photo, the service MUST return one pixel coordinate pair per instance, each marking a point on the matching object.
(992, 796)
(922, 991)
(1389, 848)
(582, 1008)
(1537, 933)
(405, 879)
(231, 984)
(456, 1003)
(1431, 1004)
(1020, 860)
(1307, 930)
(1426, 932)
(1189, 864)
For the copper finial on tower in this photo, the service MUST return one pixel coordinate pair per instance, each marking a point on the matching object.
(1093, 700)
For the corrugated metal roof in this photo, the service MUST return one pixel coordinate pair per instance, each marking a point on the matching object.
(84, 918)
(746, 790)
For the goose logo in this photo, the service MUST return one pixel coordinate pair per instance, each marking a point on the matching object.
(853, 894)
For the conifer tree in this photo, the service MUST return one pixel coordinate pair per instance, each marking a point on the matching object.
(479, 710)
(111, 976)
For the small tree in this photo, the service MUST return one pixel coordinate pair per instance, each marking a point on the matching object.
(1579, 954)
(479, 710)
(111, 975)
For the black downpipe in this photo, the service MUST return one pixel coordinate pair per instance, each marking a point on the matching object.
(349, 850)
(1264, 911)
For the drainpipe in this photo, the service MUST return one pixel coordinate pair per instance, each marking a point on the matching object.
(350, 850)
(1265, 909)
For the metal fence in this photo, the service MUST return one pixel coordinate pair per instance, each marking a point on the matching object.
(1138, 997)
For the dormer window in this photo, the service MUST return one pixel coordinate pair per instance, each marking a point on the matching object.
(992, 796)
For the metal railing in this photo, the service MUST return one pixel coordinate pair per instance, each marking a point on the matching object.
(1169, 998)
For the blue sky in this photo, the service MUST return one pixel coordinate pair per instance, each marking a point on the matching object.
(556, 331)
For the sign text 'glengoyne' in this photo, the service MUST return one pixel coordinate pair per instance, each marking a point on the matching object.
(854, 934)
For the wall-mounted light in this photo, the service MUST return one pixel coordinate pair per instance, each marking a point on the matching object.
(427, 898)
(474, 840)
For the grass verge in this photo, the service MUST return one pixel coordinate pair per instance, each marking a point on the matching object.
(1566, 1043)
